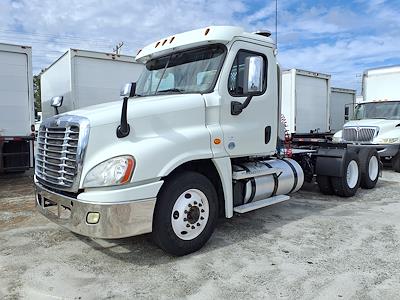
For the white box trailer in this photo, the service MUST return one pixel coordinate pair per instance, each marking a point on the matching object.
(381, 84)
(85, 78)
(341, 107)
(16, 108)
(305, 101)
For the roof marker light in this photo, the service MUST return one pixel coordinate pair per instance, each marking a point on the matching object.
(172, 39)
(207, 31)
(158, 43)
(164, 42)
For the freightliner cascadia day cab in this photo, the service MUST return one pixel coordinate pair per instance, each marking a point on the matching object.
(376, 120)
(16, 108)
(81, 78)
(195, 138)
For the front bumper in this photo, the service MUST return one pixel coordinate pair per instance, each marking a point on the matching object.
(384, 150)
(117, 220)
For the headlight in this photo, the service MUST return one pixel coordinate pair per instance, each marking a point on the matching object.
(386, 140)
(114, 171)
(337, 137)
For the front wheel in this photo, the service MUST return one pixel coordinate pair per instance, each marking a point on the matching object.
(185, 214)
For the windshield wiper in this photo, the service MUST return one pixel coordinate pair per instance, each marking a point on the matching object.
(171, 90)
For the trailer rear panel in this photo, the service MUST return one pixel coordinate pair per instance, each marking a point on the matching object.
(305, 101)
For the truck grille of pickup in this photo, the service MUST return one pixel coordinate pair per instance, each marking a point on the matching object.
(56, 156)
(358, 134)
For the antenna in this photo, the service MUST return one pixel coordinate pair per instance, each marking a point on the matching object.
(118, 47)
(276, 23)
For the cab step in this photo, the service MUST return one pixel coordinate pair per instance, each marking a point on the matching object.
(249, 174)
(259, 204)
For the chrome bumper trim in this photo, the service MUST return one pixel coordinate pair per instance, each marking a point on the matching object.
(117, 220)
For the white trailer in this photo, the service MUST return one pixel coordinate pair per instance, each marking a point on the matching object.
(381, 84)
(85, 78)
(305, 101)
(341, 107)
(16, 108)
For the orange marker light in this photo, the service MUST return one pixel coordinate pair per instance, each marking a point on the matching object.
(207, 31)
(172, 39)
(164, 42)
(217, 141)
(158, 43)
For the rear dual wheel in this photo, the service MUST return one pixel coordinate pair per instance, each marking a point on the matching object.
(370, 167)
(348, 183)
(360, 169)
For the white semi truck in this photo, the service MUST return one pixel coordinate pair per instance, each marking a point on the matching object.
(195, 138)
(16, 108)
(376, 121)
(81, 78)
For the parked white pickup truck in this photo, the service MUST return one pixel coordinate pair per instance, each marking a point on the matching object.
(376, 122)
(195, 138)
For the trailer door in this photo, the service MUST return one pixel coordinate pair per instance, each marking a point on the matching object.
(14, 95)
(312, 97)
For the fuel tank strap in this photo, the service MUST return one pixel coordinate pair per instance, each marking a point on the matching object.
(275, 176)
(253, 185)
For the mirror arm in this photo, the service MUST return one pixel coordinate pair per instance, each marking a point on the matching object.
(124, 129)
(237, 107)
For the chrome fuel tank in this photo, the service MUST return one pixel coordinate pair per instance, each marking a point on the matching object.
(288, 178)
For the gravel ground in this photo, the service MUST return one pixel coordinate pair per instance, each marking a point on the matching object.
(311, 247)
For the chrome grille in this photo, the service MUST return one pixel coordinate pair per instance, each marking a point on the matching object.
(59, 151)
(359, 134)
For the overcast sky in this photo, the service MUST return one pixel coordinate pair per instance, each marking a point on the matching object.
(338, 37)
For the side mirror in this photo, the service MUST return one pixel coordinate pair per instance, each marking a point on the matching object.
(253, 75)
(128, 90)
(57, 101)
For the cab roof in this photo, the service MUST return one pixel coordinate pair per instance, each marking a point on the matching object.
(194, 38)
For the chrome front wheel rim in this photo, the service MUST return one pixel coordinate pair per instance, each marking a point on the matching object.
(190, 214)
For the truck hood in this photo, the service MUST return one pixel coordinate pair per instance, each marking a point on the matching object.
(108, 113)
(382, 124)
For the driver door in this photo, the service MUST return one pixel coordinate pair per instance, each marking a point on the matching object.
(254, 130)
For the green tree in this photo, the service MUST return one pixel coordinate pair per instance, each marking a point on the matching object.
(36, 92)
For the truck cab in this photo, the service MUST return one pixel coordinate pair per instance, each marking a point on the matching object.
(196, 137)
(376, 121)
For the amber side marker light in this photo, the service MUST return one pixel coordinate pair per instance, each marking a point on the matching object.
(217, 141)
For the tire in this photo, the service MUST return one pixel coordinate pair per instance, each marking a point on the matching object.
(396, 163)
(325, 185)
(185, 214)
(369, 167)
(348, 184)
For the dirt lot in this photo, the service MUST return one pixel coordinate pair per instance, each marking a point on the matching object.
(312, 246)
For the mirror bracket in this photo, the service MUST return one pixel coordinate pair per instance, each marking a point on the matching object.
(237, 107)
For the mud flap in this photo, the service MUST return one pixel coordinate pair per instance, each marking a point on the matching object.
(330, 161)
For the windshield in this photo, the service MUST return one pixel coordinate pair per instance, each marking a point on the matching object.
(191, 71)
(378, 110)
